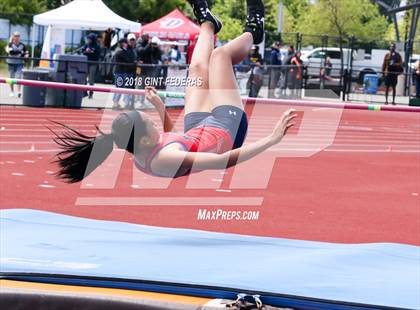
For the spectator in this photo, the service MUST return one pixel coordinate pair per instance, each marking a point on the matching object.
(290, 54)
(190, 50)
(101, 72)
(391, 68)
(107, 37)
(326, 70)
(286, 63)
(174, 55)
(102, 49)
(256, 78)
(417, 78)
(131, 37)
(275, 71)
(132, 43)
(328, 67)
(142, 43)
(296, 72)
(16, 51)
(125, 72)
(149, 55)
(93, 51)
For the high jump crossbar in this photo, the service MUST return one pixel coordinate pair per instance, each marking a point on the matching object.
(168, 94)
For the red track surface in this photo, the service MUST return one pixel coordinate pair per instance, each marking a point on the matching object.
(363, 188)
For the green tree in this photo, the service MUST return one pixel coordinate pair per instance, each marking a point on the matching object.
(294, 11)
(344, 18)
(144, 11)
(233, 14)
(21, 11)
(53, 4)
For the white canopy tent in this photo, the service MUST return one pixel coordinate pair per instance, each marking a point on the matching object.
(83, 15)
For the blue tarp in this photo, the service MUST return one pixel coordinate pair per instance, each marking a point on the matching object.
(376, 273)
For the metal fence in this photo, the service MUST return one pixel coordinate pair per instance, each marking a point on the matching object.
(263, 81)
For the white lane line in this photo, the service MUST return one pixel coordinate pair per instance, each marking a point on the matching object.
(29, 151)
(342, 145)
(20, 130)
(343, 150)
(170, 201)
(46, 185)
(67, 113)
(46, 124)
(17, 174)
(320, 109)
(223, 190)
(372, 151)
(29, 161)
(340, 141)
(27, 142)
(59, 118)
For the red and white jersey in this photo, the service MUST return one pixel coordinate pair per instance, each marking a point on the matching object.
(202, 139)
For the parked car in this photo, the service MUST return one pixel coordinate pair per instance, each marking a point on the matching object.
(362, 63)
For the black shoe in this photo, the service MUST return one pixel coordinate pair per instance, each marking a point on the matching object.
(203, 14)
(255, 20)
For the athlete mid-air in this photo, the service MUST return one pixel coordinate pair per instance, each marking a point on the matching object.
(215, 124)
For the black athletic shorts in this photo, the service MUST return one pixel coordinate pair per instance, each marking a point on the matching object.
(228, 117)
(391, 79)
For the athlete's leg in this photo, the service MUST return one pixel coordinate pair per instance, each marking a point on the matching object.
(386, 93)
(222, 81)
(394, 91)
(196, 95)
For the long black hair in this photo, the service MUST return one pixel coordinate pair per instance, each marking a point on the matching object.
(81, 154)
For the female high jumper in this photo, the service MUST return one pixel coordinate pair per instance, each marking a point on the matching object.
(215, 124)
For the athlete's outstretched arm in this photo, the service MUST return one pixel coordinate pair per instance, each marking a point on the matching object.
(154, 99)
(204, 161)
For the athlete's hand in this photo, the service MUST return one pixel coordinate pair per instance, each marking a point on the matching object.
(151, 93)
(282, 126)
(152, 96)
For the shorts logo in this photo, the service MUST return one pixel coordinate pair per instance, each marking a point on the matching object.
(232, 112)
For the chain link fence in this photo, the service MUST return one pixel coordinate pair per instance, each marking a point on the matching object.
(345, 67)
